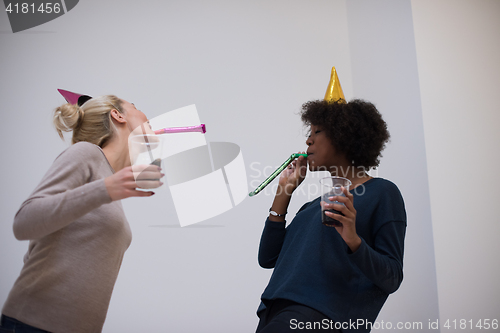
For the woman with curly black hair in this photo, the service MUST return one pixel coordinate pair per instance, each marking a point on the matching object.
(325, 278)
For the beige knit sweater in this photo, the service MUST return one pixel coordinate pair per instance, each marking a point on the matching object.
(77, 241)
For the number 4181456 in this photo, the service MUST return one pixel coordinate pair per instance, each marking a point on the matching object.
(482, 324)
(26, 8)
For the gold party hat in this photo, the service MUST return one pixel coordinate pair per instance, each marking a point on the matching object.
(334, 91)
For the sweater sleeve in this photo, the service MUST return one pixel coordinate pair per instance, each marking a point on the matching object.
(271, 242)
(383, 263)
(65, 193)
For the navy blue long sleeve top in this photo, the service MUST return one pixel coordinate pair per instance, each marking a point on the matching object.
(313, 265)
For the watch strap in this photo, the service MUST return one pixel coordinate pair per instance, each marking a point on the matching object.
(273, 213)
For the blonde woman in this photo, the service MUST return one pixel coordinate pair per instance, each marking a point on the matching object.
(75, 222)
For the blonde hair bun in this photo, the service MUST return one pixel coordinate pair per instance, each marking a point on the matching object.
(66, 118)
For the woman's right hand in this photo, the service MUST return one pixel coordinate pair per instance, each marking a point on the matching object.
(294, 175)
(124, 183)
(289, 180)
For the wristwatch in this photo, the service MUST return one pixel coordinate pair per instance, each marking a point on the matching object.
(273, 213)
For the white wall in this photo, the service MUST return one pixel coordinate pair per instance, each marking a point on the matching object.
(458, 52)
(384, 71)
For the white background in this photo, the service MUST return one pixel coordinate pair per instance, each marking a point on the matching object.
(431, 67)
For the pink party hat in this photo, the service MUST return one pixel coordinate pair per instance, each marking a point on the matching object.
(73, 98)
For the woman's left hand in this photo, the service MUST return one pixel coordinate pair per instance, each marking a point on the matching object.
(348, 229)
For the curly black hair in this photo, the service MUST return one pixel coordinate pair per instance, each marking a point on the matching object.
(355, 128)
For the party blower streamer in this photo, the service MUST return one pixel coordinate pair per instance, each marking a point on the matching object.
(275, 173)
(171, 130)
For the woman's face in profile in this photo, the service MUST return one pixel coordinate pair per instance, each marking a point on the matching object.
(321, 154)
(135, 118)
